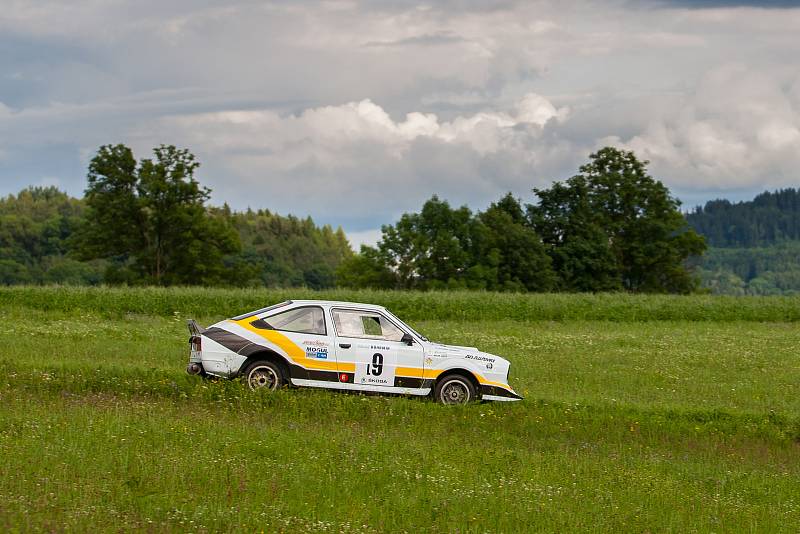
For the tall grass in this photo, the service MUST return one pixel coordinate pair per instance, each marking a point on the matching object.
(627, 427)
(411, 305)
(741, 367)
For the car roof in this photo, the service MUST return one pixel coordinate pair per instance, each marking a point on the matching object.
(334, 303)
(296, 303)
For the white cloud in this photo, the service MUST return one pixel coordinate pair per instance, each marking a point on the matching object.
(778, 135)
(364, 237)
(356, 162)
(739, 129)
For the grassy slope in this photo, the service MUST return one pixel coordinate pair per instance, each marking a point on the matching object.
(663, 425)
(412, 305)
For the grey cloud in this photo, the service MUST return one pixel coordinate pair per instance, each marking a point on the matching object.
(703, 4)
(711, 96)
(419, 40)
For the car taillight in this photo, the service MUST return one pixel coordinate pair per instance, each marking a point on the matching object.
(195, 342)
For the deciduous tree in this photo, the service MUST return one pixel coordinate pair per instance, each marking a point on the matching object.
(152, 217)
(626, 223)
(514, 249)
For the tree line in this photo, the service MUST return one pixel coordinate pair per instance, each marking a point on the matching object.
(611, 227)
(768, 270)
(755, 244)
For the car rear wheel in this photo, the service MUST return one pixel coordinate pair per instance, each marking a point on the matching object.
(263, 375)
(455, 389)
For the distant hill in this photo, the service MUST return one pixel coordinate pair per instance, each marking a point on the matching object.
(754, 246)
(770, 218)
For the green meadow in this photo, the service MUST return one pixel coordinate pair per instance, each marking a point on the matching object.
(641, 414)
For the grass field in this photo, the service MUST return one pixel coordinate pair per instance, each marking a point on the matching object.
(661, 414)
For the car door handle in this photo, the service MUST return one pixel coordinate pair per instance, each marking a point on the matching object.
(344, 345)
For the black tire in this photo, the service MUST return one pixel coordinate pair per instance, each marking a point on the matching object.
(263, 375)
(455, 389)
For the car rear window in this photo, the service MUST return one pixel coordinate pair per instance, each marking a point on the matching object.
(262, 310)
(303, 320)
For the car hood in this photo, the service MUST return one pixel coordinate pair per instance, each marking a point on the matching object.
(457, 351)
(452, 350)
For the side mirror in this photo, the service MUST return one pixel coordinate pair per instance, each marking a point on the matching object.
(407, 339)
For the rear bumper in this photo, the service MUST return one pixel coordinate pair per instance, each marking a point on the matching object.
(195, 365)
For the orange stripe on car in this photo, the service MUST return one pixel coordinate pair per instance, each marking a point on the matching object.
(294, 352)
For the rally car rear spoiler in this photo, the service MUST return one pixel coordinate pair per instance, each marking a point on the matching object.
(195, 366)
(194, 328)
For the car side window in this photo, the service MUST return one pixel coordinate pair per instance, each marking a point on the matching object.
(372, 325)
(307, 320)
(348, 323)
(365, 324)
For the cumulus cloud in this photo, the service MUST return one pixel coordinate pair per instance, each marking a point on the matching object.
(740, 128)
(356, 162)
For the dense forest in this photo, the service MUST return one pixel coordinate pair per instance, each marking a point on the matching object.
(35, 227)
(769, 218)
(38, 240)
(755, 244)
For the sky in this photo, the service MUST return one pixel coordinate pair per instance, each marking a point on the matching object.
(354, 113)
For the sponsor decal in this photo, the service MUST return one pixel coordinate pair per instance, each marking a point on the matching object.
(375, 381)
(316, 349)
(489, 365)
(428, 361)
(319, 353)
(373, 347)
(479, 358)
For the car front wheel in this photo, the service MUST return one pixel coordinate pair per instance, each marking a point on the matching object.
(455, 389)
(263, 375)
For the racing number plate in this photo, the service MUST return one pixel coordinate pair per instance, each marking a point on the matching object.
(376, 365)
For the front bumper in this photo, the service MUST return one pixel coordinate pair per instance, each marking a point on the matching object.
(491, 392)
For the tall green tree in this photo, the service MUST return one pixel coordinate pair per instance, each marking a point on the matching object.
(435, 248)
(514, 251)
(575, 238)
(615, 209)
(151, 217)
(444, 247)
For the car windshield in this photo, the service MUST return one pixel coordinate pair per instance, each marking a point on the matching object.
(396, 318)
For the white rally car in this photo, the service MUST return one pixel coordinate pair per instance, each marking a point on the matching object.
(343, 345)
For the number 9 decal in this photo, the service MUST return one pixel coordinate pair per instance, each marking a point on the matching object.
(376, 367)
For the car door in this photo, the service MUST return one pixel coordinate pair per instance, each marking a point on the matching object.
(369, 350)
(303, 334)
